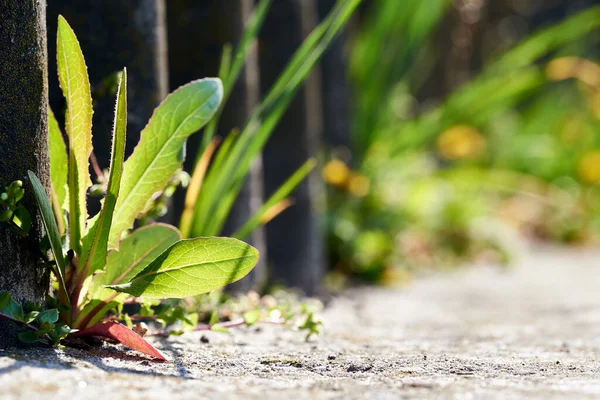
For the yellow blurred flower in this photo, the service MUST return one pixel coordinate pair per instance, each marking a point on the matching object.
(594, 101)
(460, 142)
(359, 185)
(394, 277)
(584, 70)
(588, 168)
(336, 173)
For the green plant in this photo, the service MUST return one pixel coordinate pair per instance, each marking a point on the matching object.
(454, 179)
(13, 213)
(212, 191)
(99, 262)
(221, 311)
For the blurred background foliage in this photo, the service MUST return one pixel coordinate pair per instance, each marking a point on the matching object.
(475, 122)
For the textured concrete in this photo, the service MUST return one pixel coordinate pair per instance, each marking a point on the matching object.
(529, 332)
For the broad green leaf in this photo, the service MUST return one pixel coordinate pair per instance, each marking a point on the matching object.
(49, 222)
(75, 84)
(136, 251)
(160, 151)
(191, 267)
(58, 161)
(95, 242)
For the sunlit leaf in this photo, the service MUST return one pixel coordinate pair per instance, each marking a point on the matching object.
(191, 267)
(58, 161)
(160, 150)
(136, 251)
(74, 81)
(95, 242)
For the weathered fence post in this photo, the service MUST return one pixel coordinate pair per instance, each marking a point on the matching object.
(197, 32)
(23, 143)
(114, 34)
(295, 243)
(336, 88)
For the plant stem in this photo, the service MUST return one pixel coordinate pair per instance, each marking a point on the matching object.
(224, 325)
(96, 167)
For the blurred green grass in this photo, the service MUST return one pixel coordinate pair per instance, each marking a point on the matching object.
(448, 172)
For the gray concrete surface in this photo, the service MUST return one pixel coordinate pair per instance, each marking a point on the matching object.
(481, 332)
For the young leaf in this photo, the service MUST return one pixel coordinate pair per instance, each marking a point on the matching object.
(49, 222)
(31, 316)
(22, 219)
(251, 317)
(191, 267)
(75, 84)
(13, 310)
(48, 316)
(160, 150)
(123, 335)
(95, 242)
(58, 160)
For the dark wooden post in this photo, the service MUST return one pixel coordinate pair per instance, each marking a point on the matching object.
(294, 239)
(23, 143)
(197, 32)
(114, 34)
(336, 89)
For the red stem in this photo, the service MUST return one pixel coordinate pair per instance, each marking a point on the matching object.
(96, 167)
(226, 325)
